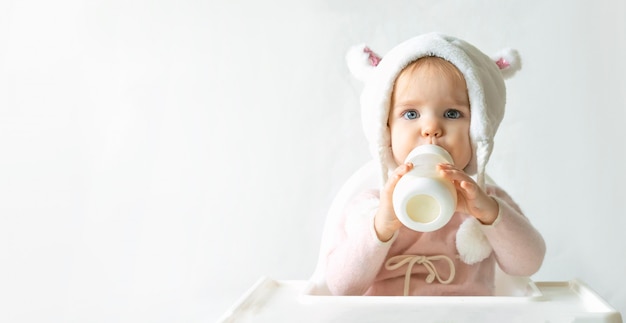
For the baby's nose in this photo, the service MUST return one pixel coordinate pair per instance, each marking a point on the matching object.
(432, 130)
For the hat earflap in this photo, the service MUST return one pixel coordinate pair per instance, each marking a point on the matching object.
(361, 61)
(508, 61)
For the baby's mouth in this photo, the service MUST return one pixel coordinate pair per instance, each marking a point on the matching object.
(434, 141)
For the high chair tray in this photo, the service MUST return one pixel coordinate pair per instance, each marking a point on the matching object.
(285, 301)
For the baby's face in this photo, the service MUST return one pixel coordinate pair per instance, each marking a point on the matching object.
(430, 106)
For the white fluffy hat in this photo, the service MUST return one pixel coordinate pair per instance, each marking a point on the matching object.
(484, 77)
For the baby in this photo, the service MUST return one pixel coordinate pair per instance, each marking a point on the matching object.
(431, 89)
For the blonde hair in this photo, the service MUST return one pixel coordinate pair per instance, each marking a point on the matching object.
(436, 65)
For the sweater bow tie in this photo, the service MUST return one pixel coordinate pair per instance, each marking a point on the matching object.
(427, 261)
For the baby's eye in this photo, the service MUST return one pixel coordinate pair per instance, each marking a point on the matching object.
(452, 114)
(410, 115)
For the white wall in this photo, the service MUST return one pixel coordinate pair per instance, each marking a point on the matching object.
(158, 157)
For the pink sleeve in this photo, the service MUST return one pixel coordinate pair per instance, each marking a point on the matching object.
(357, 254)
(519, 248)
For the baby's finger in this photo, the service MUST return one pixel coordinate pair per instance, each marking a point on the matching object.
(403, 169)
(470, 189)
(452, 173)
(464, 183)
(395, 176)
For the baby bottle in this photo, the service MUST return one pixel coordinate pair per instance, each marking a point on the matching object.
(423, 200)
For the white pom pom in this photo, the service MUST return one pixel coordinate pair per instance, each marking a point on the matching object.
(509, 62)
(361, 61)
(471, 243)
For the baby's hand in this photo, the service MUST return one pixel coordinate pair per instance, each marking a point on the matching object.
(471, 198)
(385, 221)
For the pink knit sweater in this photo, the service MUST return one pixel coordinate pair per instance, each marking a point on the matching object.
(359, 264)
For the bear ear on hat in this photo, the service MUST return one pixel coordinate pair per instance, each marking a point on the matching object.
(361, 61)
(509, 62)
